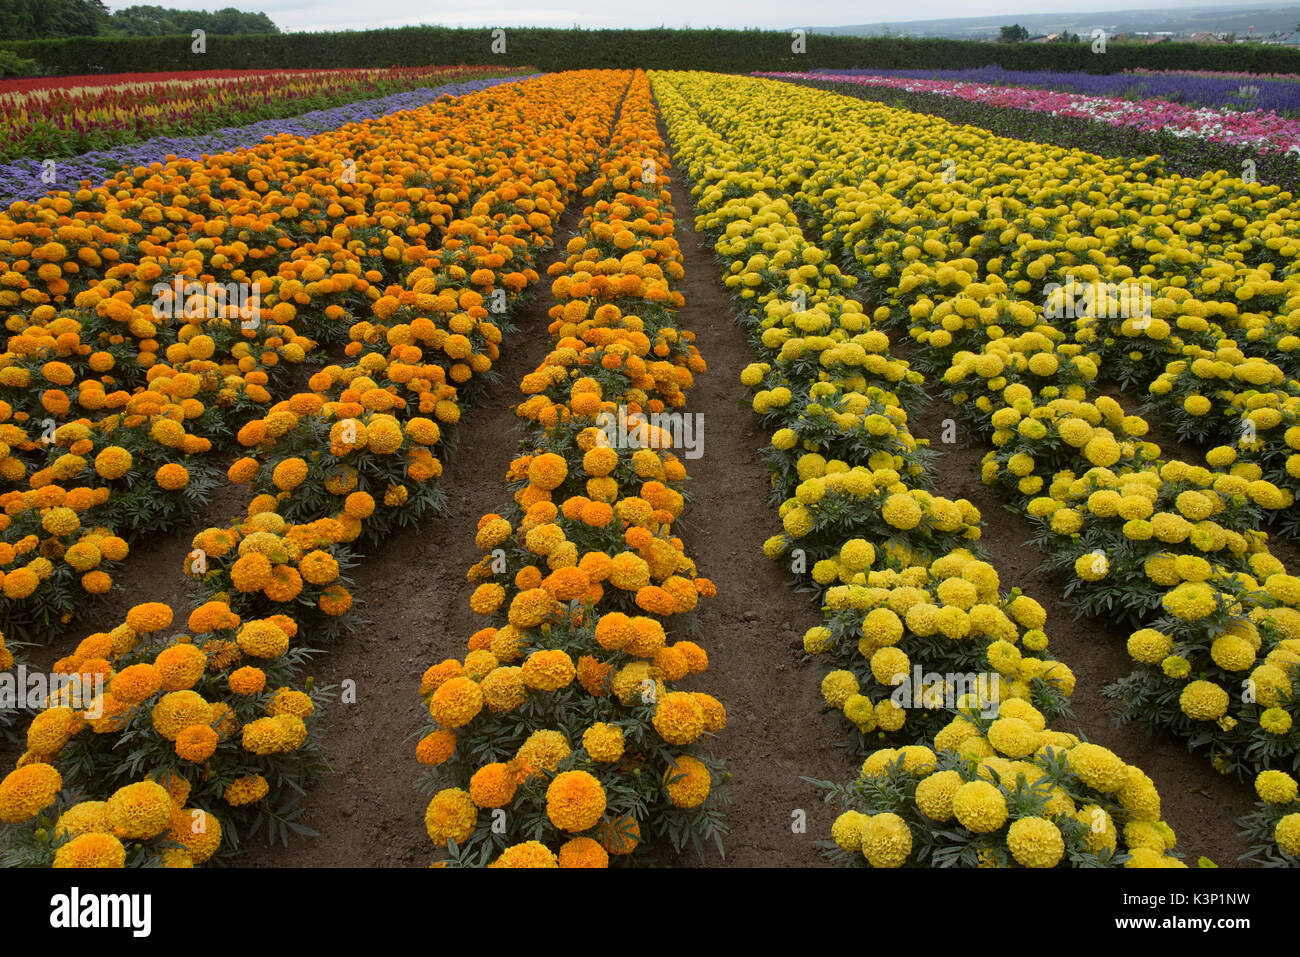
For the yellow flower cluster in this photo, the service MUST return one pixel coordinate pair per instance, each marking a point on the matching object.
(897, 586)
(985, 273)
(1004, 791)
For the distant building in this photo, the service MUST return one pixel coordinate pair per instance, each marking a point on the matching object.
(1205, 38)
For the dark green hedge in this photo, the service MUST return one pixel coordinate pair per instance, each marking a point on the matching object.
(731, 51)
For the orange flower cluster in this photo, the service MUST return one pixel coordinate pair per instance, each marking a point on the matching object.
(154, 318)
(567, 710)
(348, 460)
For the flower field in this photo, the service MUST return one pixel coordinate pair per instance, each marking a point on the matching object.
(356, 507)
(66, 116)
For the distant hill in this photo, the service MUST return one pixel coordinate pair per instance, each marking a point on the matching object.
(1187, 20)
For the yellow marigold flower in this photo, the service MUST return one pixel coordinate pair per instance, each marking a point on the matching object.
(901, 511)
(180, 667)
(246, 790)
(979, 807)
(288, 701)
(177, 710)
(847, 830)
(886, 840)
(1097, 767)
(548, 670)
(456, 702)
(88, 817)
(1276, 787)
(603, 742)
(139, 811)
(24, 793)
(91, 850)
(113, 462)
(934, 794)
(678, 718)
(504, 689)
(837, 686)
(278, 735)
(1287, 834)
(527, 854)
(1035, 842)
(543, 749)
(687, 782)
(451, 816)
(1203, 701)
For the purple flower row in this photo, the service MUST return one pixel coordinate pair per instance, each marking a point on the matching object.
(1279, 95)
(27, 179)
(1261, 130)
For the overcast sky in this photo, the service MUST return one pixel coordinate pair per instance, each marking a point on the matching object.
(292, 15)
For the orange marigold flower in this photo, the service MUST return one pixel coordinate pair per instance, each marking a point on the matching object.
(594, 676)
(134, 684)
(678, 718)
(547, 471)
(437, 675)
(172, 476)
(575, 801)
(251, 572)
(456, 702)
(492, 786)
(289, 474)
(527, 854)
(24, 793)
(180, 666)
(687, 782)
(247, 680)
(548, 670)
(196, 743)
(150, 616)
(91, 850)
(436, 748)
(620, 836)
(583, 852)
(451, 815)
(335, 600)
